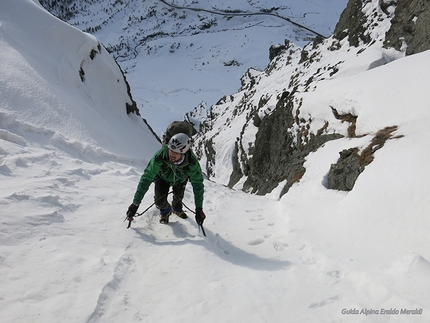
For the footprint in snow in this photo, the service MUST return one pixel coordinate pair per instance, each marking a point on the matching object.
(256, 242)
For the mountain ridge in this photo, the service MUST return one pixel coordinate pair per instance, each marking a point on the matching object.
(259, 165)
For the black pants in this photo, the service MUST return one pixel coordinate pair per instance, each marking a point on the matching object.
(161, 192)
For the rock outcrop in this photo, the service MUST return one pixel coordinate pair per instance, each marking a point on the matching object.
(277, 156)
(352, 24)
(410, 27)
(352, 162)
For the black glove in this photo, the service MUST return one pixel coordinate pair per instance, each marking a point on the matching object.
(132, 209)
(200, 216)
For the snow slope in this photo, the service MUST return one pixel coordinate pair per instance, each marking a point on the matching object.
(46, 66)
(313, 256)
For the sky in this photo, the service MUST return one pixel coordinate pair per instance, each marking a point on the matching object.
(71, 158)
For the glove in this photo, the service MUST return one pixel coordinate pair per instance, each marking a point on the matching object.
(200, 216)
(132, 209)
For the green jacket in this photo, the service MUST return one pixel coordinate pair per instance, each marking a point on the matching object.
(174, 174)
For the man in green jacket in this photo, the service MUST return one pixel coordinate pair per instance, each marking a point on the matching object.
(172, 166)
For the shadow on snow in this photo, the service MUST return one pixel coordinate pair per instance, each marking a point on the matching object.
(215, 244)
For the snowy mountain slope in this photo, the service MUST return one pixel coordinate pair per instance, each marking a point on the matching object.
(176, 59)
(316, 255)
(53, 57)
(304, 74)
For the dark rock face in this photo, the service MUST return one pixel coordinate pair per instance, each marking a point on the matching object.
(276, 50)
(351, 24)
(344, 173)
(277, 156)
(271, 148)
(351, 163)
(410, 25)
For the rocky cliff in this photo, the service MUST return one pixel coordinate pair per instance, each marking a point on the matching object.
(409, 30)
(266, 130)
(410, 27)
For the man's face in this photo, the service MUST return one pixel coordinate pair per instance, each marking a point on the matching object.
(174, 157)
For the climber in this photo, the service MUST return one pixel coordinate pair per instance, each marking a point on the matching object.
(172, 166)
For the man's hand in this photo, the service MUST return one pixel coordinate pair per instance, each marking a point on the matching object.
(200, 216)
(131, 212)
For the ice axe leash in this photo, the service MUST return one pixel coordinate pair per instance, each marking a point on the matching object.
(141, 213)
(200, 225)
(137, 214)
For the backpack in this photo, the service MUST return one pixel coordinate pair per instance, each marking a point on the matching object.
(178, 127)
